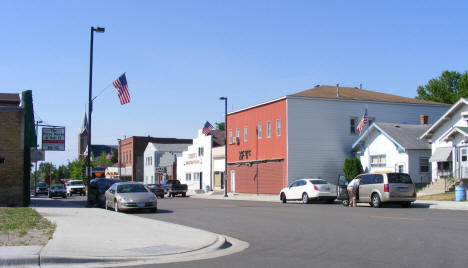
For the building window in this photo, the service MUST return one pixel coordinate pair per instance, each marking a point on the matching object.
(230, 136)
(401, 169)
(237, 133)
(201, 151)
(378, 160)
(196, 176)
(278, 127)
(245, 134)
(259, 130)
(352, 125)
(463, 154)
(268, 129)
(188, 176)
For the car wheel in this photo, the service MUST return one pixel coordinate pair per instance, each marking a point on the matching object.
(184, 194)
(283, 198)
(64, 196)
(305, 198)
(162, 196)
(116, 206)
(345, 203)
(406, 204)
(376, 201)
(153, 210)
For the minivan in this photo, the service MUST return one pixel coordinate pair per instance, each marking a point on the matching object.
(378, 188)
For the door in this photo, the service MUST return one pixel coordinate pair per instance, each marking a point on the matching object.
(365, 188)
(233, 181)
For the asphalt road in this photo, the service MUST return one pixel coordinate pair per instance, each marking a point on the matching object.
(321, 235)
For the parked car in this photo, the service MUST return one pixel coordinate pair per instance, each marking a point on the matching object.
(97, 189)
(157, 189)
(378, 188)
(308, 189)
(75, 187)
(42, 188)
(57, 190)
(174, 187)
(129, 196)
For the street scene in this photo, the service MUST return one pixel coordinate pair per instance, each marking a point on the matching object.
(234, 134)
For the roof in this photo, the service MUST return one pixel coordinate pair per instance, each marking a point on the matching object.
(349, 93)
(405, 136)
(175, 147)
(428, 134)
(219, 137)
(10, 99)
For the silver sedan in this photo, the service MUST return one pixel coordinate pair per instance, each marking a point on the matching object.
(130, 196)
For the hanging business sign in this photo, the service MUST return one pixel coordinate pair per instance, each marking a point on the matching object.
(53, 139)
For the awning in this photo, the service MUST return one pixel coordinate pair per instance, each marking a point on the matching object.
(441, 154)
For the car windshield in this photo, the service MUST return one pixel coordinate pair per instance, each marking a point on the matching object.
(399, 178)
(76, 183)
(41, 184)
(57, 187)
(318, 182)
(131, 188)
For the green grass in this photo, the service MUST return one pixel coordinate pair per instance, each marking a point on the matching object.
(448, 196)
(22, 220)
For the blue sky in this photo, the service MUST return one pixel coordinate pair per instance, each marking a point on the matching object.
(181, 56)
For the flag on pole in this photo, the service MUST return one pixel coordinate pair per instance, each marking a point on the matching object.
(122, 89)
(207, 128)
(362, 123)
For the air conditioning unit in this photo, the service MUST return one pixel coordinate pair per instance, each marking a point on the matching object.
(236, 140)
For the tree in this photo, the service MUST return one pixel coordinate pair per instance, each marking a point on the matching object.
(352, 167)
(114, 158)
(220, 126)
(47, 172)
(449, 87)
(101, 160)
(77, 169)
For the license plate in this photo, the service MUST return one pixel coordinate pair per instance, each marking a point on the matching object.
(141, 204)
(402, 190)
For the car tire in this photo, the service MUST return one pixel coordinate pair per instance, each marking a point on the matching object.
(64, 196)
(376, 202)
(283, 198)
(406, 204)
(184, 194)
(305, 198)
(331, 201)
(345, 203)
(162, 196)
(154, 210)
(116, 206)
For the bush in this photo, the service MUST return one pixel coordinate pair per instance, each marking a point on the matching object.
(352, 167)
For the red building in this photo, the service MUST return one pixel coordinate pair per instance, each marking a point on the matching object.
(257, 148)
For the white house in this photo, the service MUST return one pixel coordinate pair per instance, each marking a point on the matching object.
(390, 147)
(195, 166)
(449, 142)
(160, 161)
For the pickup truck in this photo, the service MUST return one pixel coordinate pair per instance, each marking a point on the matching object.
(174, 187)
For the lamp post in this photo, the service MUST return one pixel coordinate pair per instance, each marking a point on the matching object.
(120, 165)
(225, 146)
(90, 103)
(35, 171)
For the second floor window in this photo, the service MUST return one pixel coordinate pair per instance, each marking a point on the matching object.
(259, 130)
(268, 129)
(378, 160)
(201, 151)
(245, 134)
(352, 125)
(278, 127)
(230, 136)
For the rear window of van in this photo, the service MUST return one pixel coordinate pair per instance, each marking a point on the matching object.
(399, 178)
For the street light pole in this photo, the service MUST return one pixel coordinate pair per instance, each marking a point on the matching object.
(225, 146)
(90, 103)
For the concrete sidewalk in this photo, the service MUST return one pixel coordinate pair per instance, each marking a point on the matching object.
(94, 237)
(451, 205)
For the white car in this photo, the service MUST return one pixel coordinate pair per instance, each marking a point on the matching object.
(309, 189)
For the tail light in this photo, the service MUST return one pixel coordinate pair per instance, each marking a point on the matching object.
(385, 188)
(315, 188)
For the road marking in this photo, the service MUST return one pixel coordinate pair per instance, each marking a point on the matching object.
(396, 218)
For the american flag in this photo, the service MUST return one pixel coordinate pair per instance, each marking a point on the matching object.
(362, 123)
(207, 128)
(122, 89)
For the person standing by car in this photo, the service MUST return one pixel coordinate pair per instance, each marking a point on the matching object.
(353, 187)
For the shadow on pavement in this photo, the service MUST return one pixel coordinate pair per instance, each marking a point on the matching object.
(45, 201)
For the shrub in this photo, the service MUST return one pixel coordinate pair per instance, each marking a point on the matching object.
(352, 167)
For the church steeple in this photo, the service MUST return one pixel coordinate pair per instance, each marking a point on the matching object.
(84, 125)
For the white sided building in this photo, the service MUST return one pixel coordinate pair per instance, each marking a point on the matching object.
(448, 137)
(160, 161)
(195, 166)
(390, 147)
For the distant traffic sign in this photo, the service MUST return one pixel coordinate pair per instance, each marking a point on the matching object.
(53, 139)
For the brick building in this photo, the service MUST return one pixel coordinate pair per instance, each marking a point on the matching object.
(17, 136)
(130, 154)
